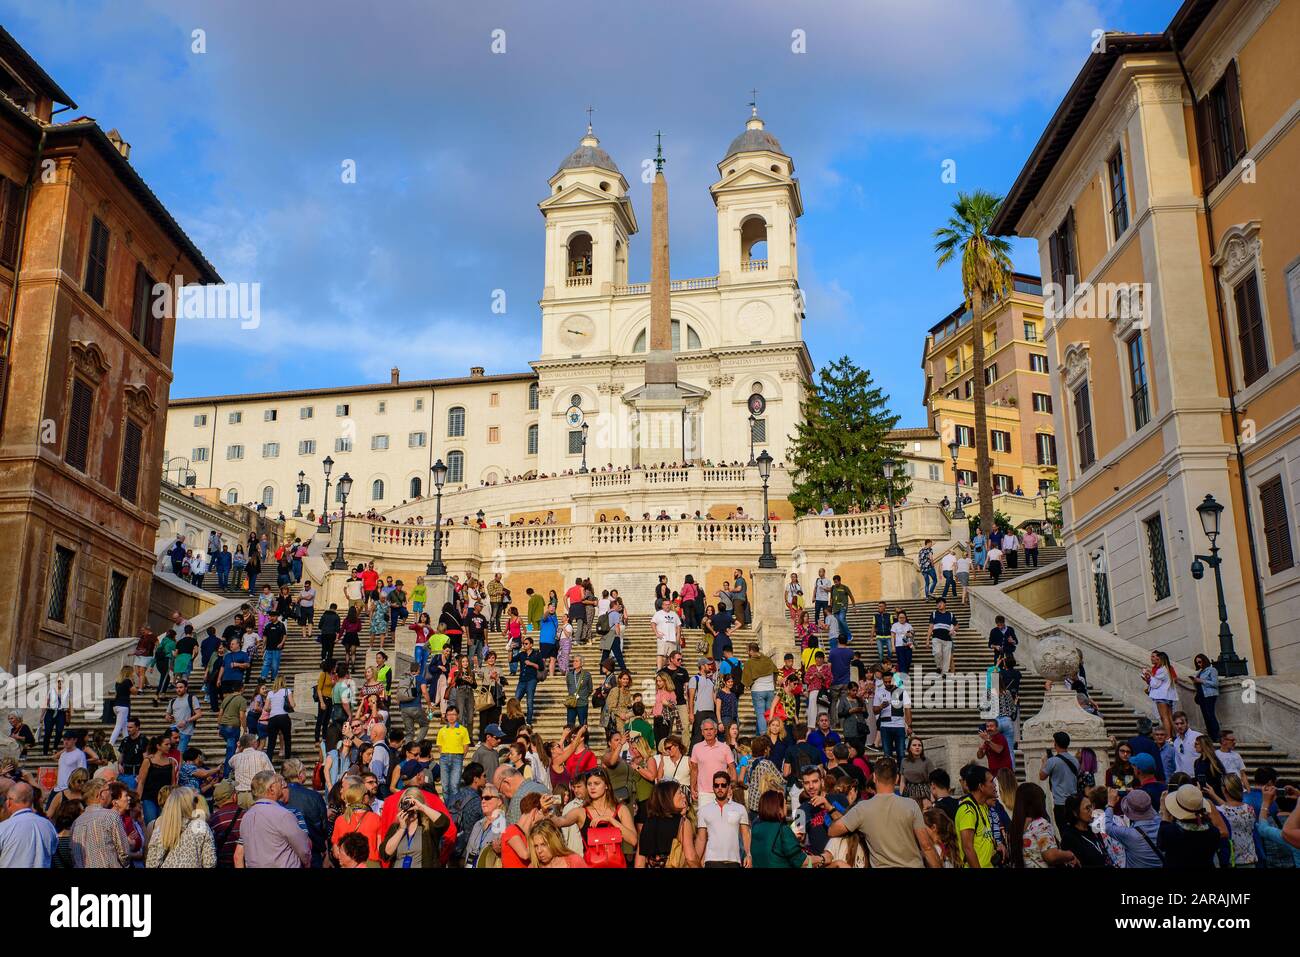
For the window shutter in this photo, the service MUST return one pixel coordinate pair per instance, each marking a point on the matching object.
(11, 198)
(1277, 529)
(97, 261)
(1205, 148)
(83, 401)
(1054, 253)
(140, 304)
(1250, 330)
(128, 485)
(1070, 259)
(1232, 100)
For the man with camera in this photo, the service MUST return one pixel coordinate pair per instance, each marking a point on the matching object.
(994, 748)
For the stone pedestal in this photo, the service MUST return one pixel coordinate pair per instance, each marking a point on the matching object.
(1056, 659)
(659, 433)
(899, 579)
(767, 595)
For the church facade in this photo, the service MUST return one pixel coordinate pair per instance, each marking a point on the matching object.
(733, 334)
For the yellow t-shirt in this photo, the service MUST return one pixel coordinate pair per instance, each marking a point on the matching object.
(453, 740)
(972, 817)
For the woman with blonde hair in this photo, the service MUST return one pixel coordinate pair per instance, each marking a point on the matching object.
(181, 836)
(358, 818)
(414, 839)
(1007, 785)
(547, 847)
(121, 703)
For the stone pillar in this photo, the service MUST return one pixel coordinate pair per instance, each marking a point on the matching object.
(767, 597)
(1056, 659)
(899, 578)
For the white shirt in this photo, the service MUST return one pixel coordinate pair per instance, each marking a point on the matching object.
(1158, 688)
(666, 623)
(902, 632)
(963, 566)
(199, 564)
(602, 607)
(948, 562)
(995, 554)
(888, 717)
(822, 589)
(69, 761)
(723, 822)
(1185, 751)
(278, 700)
(1231, 761)
(1010, 542)
(308, 597)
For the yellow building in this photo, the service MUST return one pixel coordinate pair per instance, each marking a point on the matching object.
(1162, 195)
(1018, 400)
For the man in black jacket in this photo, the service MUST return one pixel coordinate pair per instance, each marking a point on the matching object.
(330, 626)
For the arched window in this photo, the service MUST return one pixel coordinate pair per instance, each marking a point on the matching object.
(756, 387)
(456, 467)
(417, 487)
(753, 244)
(532, 397)
(532, 440)
(304, 496)
(575, 400)
(456, 421)
(692, 338)
(232, 496)
(268, 496)
(579, 255)
(377, 490)
(338, 494)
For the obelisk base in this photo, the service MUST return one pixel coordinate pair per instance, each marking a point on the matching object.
(659, 436)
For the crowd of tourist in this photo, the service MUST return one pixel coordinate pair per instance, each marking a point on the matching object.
(445, 765)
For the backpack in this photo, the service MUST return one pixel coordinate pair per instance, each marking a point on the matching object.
(1083, 780)
(604, 843)
(602, 624)
(458, 809)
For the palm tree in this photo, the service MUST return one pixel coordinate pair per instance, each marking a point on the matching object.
(985, 278)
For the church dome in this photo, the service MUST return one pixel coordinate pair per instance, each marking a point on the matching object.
(589, 153)
(755, 139)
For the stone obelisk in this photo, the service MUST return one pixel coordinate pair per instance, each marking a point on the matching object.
(661, 405)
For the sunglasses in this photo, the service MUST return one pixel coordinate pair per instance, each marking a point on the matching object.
(721, 786)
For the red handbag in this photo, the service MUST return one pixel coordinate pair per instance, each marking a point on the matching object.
(604, 845)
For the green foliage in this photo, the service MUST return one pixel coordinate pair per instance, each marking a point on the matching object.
(1000, 520)
(840, 445)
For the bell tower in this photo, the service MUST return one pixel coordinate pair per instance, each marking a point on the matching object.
(758, 201)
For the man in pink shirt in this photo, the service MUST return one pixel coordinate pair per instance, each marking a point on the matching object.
(710, 757)
(1030, 541)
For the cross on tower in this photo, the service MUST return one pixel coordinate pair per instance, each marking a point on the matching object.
(590, 110)
(659, 151)
(753, 101)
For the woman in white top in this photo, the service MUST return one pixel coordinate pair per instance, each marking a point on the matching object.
(902, 632)
(1160, 678)
(674, 765)
(278, 708)
(794, 598)
(963, 574)
(994, 564)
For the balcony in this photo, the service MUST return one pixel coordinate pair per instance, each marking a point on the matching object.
(753, 265)
(577, 281)
(675, 285)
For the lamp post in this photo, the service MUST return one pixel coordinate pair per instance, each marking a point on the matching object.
(436, 567)
(345, 489)
(297, 507)
(889, 466)
(585, 427)
(752, 461)
(764, 463)
(480, 515)
(1230, 664)
(325, 508)
(957, 512)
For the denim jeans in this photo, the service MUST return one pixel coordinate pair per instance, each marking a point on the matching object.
(843, 616)
(931, 580)
(762, 704)
(527, 689)
(615, 652)
(819, 608)
(575, 716)
(229, 734)
(1008, 729)
(882, 647)
(893, 741)
(223, 579)
(949, 581)
(271, 663)
(449, 767)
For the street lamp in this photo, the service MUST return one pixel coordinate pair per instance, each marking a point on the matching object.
(752, 420)
(764, 463)
(1229, 665)
(889, 466)
(585, 427)
(953, 447)
(436, 567)
(480, 515)
(297, 508)
(325, 508)
(345, 489)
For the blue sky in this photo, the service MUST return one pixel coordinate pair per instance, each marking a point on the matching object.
(453, 145)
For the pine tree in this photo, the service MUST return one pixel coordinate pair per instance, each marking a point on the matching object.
(840, 444)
